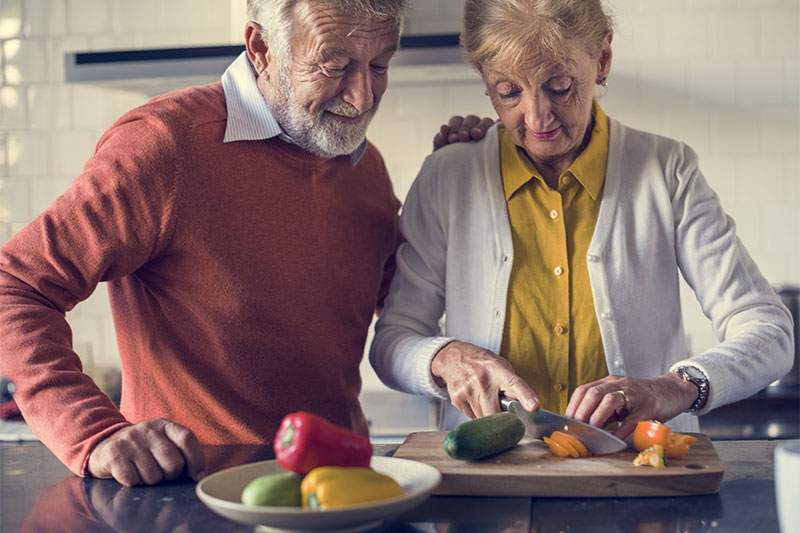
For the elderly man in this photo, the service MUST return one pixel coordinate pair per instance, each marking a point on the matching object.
(246, 230)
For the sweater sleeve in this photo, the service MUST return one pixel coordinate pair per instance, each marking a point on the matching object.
(754, 328)
(407, 333)
(111, 221)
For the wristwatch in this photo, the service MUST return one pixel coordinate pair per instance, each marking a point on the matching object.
(698, 378)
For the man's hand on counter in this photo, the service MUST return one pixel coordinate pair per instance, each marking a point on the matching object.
(147, 453)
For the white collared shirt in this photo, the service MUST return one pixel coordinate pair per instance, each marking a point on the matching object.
(249, 115)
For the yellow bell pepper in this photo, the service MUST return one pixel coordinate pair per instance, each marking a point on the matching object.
(328, 487)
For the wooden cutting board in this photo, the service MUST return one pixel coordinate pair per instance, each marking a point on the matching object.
(529, 469)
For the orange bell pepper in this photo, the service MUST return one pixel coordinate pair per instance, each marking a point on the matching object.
(651, 432)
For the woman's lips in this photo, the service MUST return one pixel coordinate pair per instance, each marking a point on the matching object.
(546, 134)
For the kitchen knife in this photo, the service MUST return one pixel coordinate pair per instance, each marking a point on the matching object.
(541, 423)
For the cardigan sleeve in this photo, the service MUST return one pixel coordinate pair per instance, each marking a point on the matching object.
(407, 334)
(113, 219)
(754, 328)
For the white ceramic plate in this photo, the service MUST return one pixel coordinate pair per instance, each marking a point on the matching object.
(222, 492)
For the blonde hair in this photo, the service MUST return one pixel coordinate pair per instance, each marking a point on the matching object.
(275, 16)
(507, 32)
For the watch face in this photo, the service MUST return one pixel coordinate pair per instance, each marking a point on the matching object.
(694, 373)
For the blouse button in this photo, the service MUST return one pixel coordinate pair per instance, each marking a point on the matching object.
(558, 387)
(559, 329)
(558, 271)
(605, 315)
(592, 258)
(554, 214)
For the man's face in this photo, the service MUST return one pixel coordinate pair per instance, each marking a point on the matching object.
(326, 95)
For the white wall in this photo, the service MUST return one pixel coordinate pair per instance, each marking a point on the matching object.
(719, 74)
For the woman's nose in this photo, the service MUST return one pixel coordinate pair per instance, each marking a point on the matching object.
(538, 113)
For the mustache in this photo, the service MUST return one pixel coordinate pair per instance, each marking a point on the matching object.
(340, 107)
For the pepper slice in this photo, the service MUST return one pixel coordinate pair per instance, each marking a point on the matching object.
(652, 456)
(329, 487)
(306, 441)
(679, 445)
(565, 445)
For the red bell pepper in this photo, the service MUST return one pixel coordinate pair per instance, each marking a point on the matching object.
(306, 441)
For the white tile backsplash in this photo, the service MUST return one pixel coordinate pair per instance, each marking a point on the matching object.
(721, 75)
(46, 18)
(88, 16)
(10, 18)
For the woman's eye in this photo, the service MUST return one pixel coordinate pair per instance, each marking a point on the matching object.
(560, 92)
(508, 95)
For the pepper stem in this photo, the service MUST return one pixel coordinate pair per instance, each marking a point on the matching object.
(287, 436)
(313, 502)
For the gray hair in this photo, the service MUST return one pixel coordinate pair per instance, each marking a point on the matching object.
(275, 19)
(506, 32)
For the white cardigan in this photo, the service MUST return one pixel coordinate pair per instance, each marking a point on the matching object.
(658, 216)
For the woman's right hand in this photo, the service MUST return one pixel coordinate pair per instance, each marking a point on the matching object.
(475, 378)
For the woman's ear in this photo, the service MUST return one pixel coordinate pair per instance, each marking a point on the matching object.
(604, 61)
(257, 47)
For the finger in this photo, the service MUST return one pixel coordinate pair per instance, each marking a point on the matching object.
(469, 122)
(626, 427)
(520, 391)
(465, 131)
(488, 403)
(608, 406)
(440, 139)
(125, 473)
(575, 400)
(592, 396)
(195, 461)
(149, 470)
(480, 129)
(464, 407)
(455, 122)
(169, 458)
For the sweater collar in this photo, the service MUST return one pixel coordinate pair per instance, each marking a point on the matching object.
(249, 115)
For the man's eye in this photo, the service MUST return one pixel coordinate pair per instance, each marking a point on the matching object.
(334, 71)
(380, 68)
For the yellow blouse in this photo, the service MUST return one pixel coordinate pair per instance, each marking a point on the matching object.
(551, 335)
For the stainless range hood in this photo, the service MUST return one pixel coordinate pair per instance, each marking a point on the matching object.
(158, 70)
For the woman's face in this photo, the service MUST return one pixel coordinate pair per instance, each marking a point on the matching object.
(546, 107)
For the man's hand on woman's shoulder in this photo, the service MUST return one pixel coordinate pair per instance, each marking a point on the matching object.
(462, 129)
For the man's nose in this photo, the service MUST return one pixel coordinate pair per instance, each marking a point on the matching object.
(358, 90)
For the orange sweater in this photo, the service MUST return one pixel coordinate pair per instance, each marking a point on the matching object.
(242, 276)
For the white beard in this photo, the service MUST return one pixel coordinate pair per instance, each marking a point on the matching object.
(321, 135)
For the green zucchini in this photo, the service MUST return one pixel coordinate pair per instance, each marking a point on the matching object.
(276, 490)
(484, 436)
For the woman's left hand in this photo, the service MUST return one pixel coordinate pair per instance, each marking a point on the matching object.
(631, 400)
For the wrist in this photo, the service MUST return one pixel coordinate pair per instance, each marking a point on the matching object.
(695, 382)
(439, 363)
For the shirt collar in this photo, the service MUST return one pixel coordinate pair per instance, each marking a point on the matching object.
(589, 168)
(249, 115)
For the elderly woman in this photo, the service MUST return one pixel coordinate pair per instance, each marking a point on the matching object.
(553, 248)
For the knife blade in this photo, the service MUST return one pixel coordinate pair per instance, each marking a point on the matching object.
(541, 423)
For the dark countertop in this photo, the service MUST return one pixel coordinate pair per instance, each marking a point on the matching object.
(37, 493)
